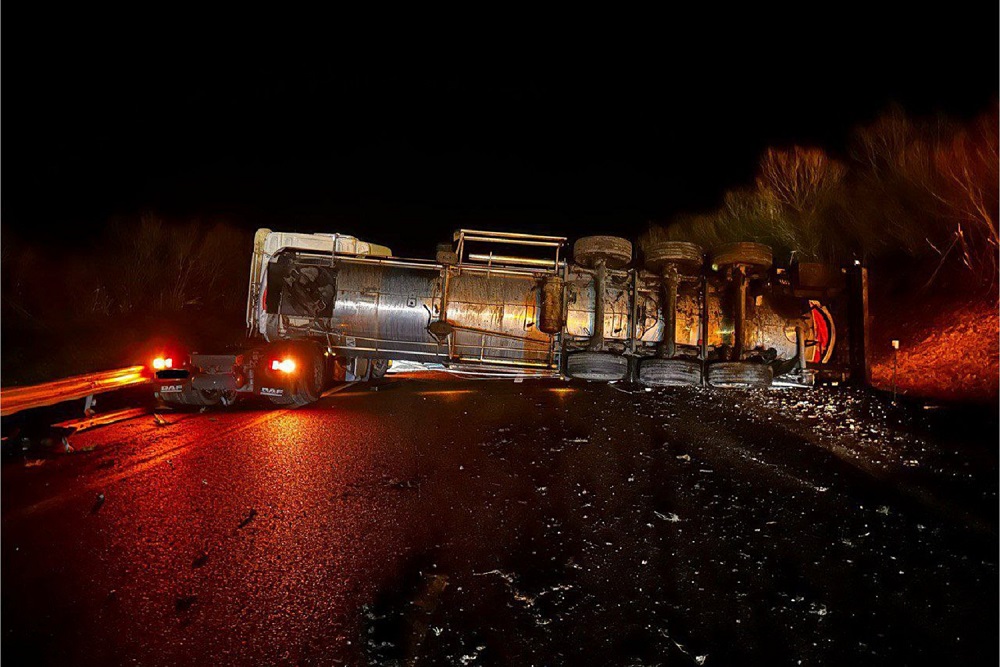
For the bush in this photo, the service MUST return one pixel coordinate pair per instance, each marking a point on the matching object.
(915, 189)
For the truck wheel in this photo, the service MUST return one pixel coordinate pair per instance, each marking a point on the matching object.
(755, 255)
(378, 367)
(739, 374)
(687, 257)
(669, 372)
(596, 366)
(311, 379)
(615, 251)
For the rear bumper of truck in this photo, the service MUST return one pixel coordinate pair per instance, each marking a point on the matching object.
(208, 379)
(219, 379)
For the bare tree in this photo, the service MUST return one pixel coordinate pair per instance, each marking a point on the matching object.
(798, 185)
(155, 265)
(931, 186)
(967, 168)
(798, 178)
(927, 189)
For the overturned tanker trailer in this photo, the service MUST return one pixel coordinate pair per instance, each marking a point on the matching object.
(324, 307)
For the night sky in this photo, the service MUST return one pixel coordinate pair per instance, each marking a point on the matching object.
(400, 138)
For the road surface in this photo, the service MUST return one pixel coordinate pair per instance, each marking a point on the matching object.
(493, 522)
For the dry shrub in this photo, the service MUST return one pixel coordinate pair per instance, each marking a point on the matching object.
(155, 266)
(911, 188)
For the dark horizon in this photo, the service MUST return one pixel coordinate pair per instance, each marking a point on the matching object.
(404, 150)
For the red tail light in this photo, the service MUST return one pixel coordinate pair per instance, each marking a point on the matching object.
(283, 365)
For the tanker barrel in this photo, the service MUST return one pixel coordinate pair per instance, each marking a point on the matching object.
(552, 315)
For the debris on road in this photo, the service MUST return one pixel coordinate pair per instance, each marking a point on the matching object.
(160, 421)
(555, 529)
(246, 522)
(97, 504)
(185, 603)
(402, 484)
(423, 606)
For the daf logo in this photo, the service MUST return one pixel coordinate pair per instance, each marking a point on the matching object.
(268, 391)
(172, 387)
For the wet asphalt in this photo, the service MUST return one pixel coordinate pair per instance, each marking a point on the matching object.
(493, 522)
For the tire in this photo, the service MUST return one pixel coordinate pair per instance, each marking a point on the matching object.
(313, 380)
(755, 255)
(687, 257)
(739, 374)
(599, 366)
(669, 372)
(310, 381)
(617, 252)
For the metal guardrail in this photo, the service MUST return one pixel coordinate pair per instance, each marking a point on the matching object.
(16, 399)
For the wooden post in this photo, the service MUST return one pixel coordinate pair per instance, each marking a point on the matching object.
(859, 321)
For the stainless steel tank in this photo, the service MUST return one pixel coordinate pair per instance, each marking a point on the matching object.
(468, 313)
(505, 310)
